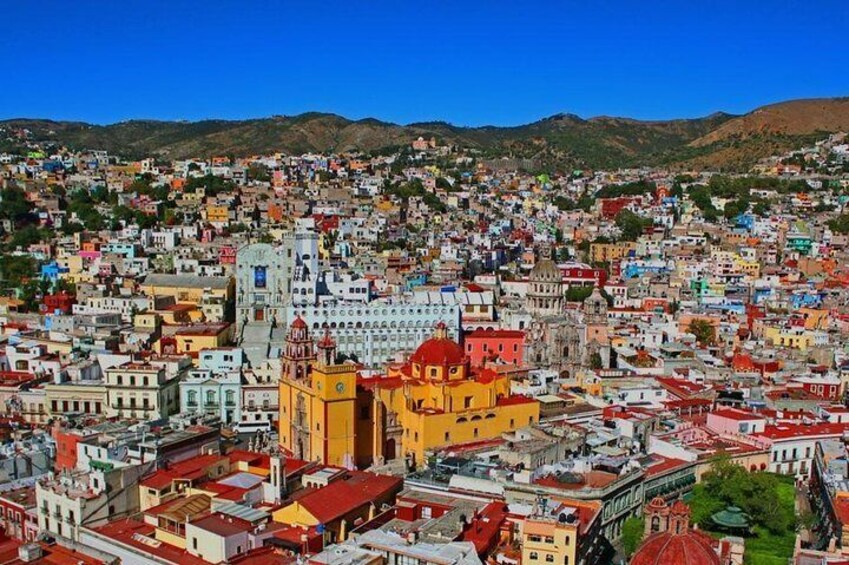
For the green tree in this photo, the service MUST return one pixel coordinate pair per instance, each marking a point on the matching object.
(32, 292)
(756, 493)
(840, 224)
(578, 293)
(703, 330)
(596, 361)
(27, 236)
(563, 203)
(16, 268)
(633, 529)
(761, 208)
(631, 225)
(14, 205)
(259, 172)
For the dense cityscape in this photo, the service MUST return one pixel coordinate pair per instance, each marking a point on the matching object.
(424, 283)
(424, 356)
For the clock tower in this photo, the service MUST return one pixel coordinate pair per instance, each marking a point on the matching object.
(317, 412)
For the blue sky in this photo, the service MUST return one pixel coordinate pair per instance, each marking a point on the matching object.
(470, 63)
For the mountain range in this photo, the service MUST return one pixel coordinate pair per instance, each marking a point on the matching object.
(719, 141)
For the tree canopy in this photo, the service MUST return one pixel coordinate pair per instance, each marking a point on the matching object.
(703, 330)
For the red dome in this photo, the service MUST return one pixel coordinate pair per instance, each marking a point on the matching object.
(298, 322)
(438, 351)
(666, 548)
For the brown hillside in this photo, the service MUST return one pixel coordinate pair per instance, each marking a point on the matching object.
(796, 117)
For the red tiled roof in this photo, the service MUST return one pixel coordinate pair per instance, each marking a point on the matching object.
(665, 465)
(51, 555)
(803, 431)
(484, 529)
(191, 469)
(347, 494)
(738, 415)
(124, 531)
(224, 527)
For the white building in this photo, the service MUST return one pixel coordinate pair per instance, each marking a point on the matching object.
(378, 331)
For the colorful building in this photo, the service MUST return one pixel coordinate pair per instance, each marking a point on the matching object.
(317, 400)
(438, 399)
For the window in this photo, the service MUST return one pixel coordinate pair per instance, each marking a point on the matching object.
(534, 556)
(260, 277)
(447, 436)
(549, 558)
(120, 379)
(194, 543)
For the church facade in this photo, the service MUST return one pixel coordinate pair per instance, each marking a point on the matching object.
(263, 284)
(559, 338)
(330, 414)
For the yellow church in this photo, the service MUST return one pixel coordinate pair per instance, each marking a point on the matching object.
(435, 399)
(317, 398)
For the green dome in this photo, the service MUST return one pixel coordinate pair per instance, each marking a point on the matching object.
(731, 518)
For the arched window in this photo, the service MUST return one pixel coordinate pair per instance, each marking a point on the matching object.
(192, 398)
(210, 397)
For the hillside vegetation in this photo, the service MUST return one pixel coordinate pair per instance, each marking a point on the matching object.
(718, 141)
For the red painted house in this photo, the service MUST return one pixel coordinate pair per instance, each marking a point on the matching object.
(61, 302)
(18, 515)
(584, 275)
(487, 345)
(227, 255)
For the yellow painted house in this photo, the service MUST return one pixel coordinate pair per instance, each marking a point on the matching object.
(566, 532)
(194, 338)
(794, 338)
(217, 214)
(189, 289)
